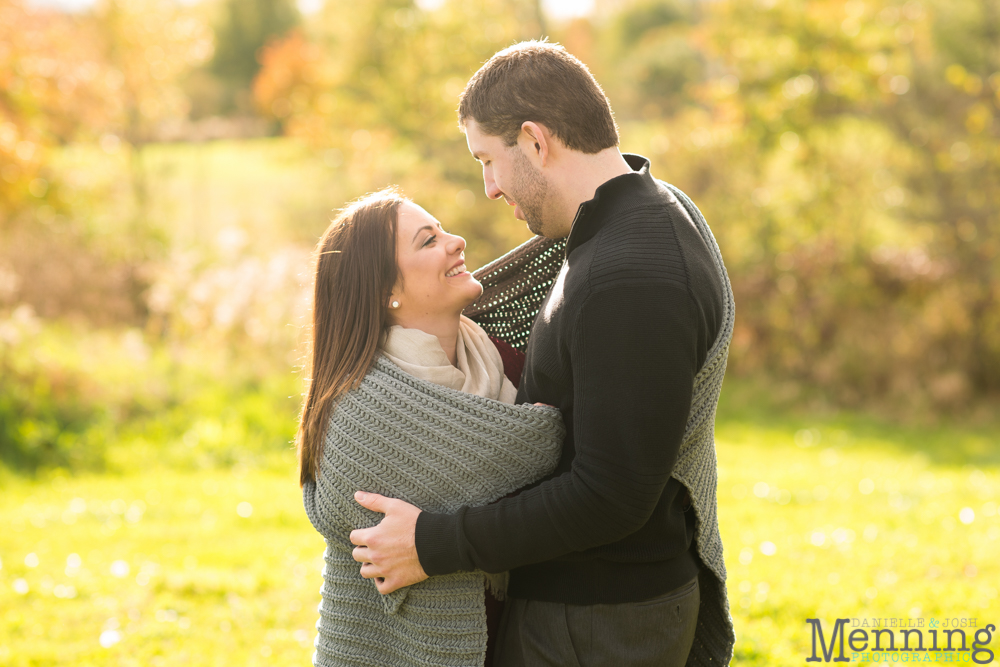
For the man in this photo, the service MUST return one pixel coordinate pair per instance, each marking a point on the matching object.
(616, 557)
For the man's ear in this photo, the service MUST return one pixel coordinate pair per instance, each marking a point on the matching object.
(538, 140)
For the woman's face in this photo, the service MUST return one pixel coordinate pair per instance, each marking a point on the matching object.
(433, 280)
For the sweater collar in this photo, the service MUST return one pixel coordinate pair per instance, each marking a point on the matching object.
(611, 197)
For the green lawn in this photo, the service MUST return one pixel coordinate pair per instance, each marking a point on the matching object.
(170, 569)
(846, 520)
(827, 517)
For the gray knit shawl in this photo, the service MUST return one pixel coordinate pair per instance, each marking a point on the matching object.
(357, 627)
(515, 286)
(439, 449)
(697, 469)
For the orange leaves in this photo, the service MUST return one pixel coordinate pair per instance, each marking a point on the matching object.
(49, 88)
(70, 77)
(289, 70)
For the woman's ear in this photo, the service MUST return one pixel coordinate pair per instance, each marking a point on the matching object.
(392, 308)
(395, 298)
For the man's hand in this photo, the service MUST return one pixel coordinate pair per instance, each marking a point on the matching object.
(387, 551)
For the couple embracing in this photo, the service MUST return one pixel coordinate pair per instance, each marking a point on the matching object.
(516, 499)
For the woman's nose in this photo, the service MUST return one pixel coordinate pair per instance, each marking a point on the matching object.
(456, 243)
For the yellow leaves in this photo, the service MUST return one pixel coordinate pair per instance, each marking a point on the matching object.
(963, 80)
(326, 103)
(955, 74)
(854, 8)
(786, 47)
(798, 86)
(899, 84)
(978, 119)
(452, 88)
(878, 63)
(25, 150)
(740, 48)
(973, 84)
(728, 84)
(966, 230)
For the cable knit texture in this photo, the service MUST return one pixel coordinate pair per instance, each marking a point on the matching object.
(439, 449)
(515, 287)
(439, 444)
(697, 469)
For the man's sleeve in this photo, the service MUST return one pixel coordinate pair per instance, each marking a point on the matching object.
(634, 357)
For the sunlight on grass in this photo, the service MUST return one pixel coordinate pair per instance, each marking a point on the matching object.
(819, 524)
(160, 567)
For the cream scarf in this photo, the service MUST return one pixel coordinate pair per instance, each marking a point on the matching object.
(479, 372)
(480, 368)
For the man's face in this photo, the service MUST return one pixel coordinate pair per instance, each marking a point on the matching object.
(508, 173)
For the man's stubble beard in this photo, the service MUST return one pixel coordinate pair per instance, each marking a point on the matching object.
(530, 190)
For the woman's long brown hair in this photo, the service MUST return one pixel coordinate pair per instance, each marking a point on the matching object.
(355, 273)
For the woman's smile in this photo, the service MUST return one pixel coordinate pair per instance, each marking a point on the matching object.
(456, 270)
(433, 278)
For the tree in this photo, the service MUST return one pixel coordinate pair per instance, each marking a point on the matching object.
(52, 90)
(375, 86)
(865, 136)
(106, 78)
(247, 26)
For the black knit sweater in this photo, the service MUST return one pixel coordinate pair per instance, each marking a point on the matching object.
(616, 346)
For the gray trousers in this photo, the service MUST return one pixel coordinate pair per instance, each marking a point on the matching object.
(652, 633)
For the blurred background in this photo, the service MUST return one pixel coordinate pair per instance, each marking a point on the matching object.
(166, 168)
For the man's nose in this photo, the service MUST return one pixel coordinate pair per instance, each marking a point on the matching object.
(492, 191)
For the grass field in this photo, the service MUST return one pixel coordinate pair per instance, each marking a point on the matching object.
(823, 517)
(158, 568)
(192, 548)
(849, 518)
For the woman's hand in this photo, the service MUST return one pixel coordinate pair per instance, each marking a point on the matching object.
(388, 551)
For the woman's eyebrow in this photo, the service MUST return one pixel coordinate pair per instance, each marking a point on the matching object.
(422, 229)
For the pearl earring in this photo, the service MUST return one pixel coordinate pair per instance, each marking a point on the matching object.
(395, 304)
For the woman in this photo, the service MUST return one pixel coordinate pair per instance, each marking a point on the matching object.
(408, 398)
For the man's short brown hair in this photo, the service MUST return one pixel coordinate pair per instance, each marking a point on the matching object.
(539, 82)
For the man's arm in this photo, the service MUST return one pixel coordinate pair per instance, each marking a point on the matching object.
(635, 355)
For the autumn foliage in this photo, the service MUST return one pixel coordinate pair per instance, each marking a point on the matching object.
(844, 152)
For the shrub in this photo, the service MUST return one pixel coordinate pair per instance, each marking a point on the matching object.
(49, 415)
